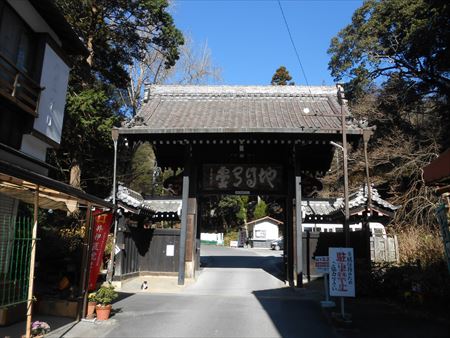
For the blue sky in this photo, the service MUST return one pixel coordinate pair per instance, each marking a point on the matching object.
(249, 40)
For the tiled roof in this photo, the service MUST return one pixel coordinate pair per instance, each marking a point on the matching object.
(163, 206)
(129, 197)
(359, 199)
(317, 207)
(328, 207)
(133, 199)
(238, 109)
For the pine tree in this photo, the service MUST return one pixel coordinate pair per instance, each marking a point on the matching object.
(282, 77)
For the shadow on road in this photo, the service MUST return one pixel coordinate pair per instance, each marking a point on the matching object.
(294, 314)
(270, 264)
(122, 295)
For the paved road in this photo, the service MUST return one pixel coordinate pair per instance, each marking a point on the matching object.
(238, 294)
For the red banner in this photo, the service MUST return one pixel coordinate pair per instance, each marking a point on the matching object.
(102, 224)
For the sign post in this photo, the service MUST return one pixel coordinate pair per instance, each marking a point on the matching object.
(322, 266)
(342, 275)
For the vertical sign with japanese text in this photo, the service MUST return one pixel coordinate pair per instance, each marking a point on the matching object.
(322, 264)
(101, 226)
(342, 272)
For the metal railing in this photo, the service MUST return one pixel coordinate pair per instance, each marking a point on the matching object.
(18, 87)
(15, 254)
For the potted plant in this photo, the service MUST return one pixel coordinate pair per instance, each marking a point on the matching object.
(104, 297)
(92, 302)
(39, 329)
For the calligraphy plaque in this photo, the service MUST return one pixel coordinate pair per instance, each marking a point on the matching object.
(242, 177)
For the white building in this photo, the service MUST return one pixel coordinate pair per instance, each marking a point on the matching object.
(326, 215)
(263, 231)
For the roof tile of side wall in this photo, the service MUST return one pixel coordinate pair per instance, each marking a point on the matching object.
(240, 109)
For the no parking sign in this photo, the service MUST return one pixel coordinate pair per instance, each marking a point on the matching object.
(342, 272)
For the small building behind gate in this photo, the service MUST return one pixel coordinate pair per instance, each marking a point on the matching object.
(263, 231)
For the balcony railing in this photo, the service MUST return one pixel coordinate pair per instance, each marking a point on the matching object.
(18, 87)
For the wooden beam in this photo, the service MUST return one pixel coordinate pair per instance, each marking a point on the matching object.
(184, 214)
(85, 262)
(32, 264)
(299, 231)
(183, 230)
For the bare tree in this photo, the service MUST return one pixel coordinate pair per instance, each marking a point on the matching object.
(195, 66)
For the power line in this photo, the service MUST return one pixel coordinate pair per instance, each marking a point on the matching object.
(295, 48)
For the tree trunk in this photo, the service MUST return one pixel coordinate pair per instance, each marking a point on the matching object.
(92, 31)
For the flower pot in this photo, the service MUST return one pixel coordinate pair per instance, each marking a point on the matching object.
(91, 309)
(103, 311)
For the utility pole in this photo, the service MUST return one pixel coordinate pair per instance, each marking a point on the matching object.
(341, 97)
(109, 275)
(366, 223)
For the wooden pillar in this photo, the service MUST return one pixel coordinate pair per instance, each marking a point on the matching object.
(183, 230)
(85, 262)
(190, 237)
(346, 224)
(198, 227)
(368, 212)
(120, 242)
(290, 242)
(32, 263)
(299, 231)
(184, 216)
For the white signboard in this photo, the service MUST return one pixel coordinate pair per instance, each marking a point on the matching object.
(342, 272)
(170, 249)
(322, 265)
(234, 244)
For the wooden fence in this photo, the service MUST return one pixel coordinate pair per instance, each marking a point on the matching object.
(384, 249)
(147, 251)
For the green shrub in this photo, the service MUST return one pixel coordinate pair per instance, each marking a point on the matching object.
(231, 235)
(105, 295)
(414, 284)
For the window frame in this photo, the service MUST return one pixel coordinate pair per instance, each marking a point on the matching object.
(34, 48)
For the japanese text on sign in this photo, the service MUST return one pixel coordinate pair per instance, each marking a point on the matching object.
(322, 264)
(242, 177)
(101, 226)
(342, 272)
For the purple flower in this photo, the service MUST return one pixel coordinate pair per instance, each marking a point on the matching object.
(39, 328)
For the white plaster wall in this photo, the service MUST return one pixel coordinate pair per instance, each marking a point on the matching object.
(270, 228)
(333, 226)
(29, 14)
(204, 236)
(34, 147)
(55, 77)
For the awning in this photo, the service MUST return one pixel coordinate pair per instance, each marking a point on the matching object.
(21, 184)
(437, 173)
